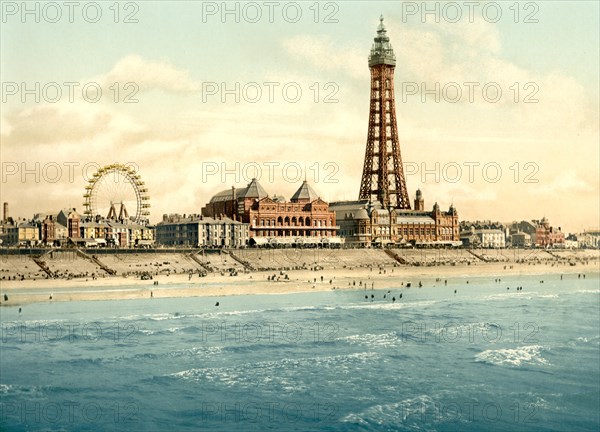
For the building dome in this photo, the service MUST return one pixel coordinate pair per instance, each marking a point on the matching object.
(361, 214)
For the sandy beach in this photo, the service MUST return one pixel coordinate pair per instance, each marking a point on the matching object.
(373, 270)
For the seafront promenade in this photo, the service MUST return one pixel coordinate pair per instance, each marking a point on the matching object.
(38, 264)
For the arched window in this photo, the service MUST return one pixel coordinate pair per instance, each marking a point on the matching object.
(279, 221)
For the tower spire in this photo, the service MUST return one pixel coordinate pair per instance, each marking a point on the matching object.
(382, 51)
(383, 174)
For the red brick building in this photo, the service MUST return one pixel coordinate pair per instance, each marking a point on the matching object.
(305, 215)
(48, 230)
(542, 234)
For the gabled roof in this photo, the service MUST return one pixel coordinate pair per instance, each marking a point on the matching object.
(305, 192)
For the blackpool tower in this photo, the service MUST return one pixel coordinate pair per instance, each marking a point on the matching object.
(383, 174)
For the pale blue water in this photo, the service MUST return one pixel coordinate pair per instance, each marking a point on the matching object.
(482, 359)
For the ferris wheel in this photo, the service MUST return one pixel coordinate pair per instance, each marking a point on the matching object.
(117, 192)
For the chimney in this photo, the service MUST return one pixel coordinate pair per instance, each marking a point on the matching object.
(5, 214)
(233, 203)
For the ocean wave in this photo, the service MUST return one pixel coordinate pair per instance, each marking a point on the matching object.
(453, 328)
(206, 315)
(29, 392)
(581, 341)
(529, 354)
(281, 372)
(586, 291)
(511, 295)
(590, 339)
(306, 308)
(384, 340)
(202, 351)
(416, 409)
(390, 305)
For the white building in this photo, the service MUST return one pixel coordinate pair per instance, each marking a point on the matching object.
(484, 237)
(201, 231)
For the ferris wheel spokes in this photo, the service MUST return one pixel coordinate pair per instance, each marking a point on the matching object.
(117, 184)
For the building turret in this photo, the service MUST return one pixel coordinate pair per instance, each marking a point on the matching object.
(419, 202)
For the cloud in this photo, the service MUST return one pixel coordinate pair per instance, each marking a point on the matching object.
(67, 123)
(566, 182)
(46, 124)
(5, 126)
(149, 75)
(323, 54)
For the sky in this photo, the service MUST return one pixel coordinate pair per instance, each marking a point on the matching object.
(497, 103)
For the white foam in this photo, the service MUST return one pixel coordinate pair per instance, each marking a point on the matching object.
(586, 291)
(390, 305)
(529, 354)
(392, 412)
(270, 372)
(373, 340)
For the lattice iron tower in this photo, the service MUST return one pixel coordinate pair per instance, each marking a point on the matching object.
(383, 174)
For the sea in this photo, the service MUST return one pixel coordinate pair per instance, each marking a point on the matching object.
(517, 354)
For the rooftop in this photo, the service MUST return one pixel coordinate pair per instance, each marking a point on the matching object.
(305, 192)
(253, 190)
